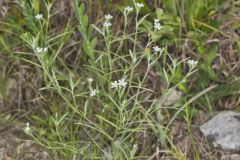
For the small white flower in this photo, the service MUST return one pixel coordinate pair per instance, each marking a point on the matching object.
(108, 17)
(156, 20)
(192, 62)
(45, 49)
(90, 80)
(41, 50)
(107, 24)
(122, 82)
(139, 5)
(39, 16)
(93, 92)
(157, 49)
(114, 84)
(157, 26)
(27, 129)
(128, 9)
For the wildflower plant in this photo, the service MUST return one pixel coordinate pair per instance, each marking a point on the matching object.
(104, 116)
(121, 98)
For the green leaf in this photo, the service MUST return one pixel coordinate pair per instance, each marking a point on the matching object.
(212, 54)
(85, 20)
(81, 9)
(93, 42)
(159, 13)
(35, 6)
(227, 90)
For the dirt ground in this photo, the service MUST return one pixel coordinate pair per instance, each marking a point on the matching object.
(13, 148)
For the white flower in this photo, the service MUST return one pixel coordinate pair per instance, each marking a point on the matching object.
(27, 129)
(40, 50)
(93, 92)
(45, 49)
(114, 84)
(128, 9)
(90, 80)
(157, 49)
(192, 62)
(139, 5)
(119, 83)
(39, 16)
(107, 24)
(157, 26)
(122, 82)
(108, 17)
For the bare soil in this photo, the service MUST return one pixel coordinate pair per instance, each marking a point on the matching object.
(12, 147)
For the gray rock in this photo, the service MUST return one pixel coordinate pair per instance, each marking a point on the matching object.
(223, 130)
(231, 157)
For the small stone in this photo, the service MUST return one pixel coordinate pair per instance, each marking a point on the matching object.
(223, 131)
